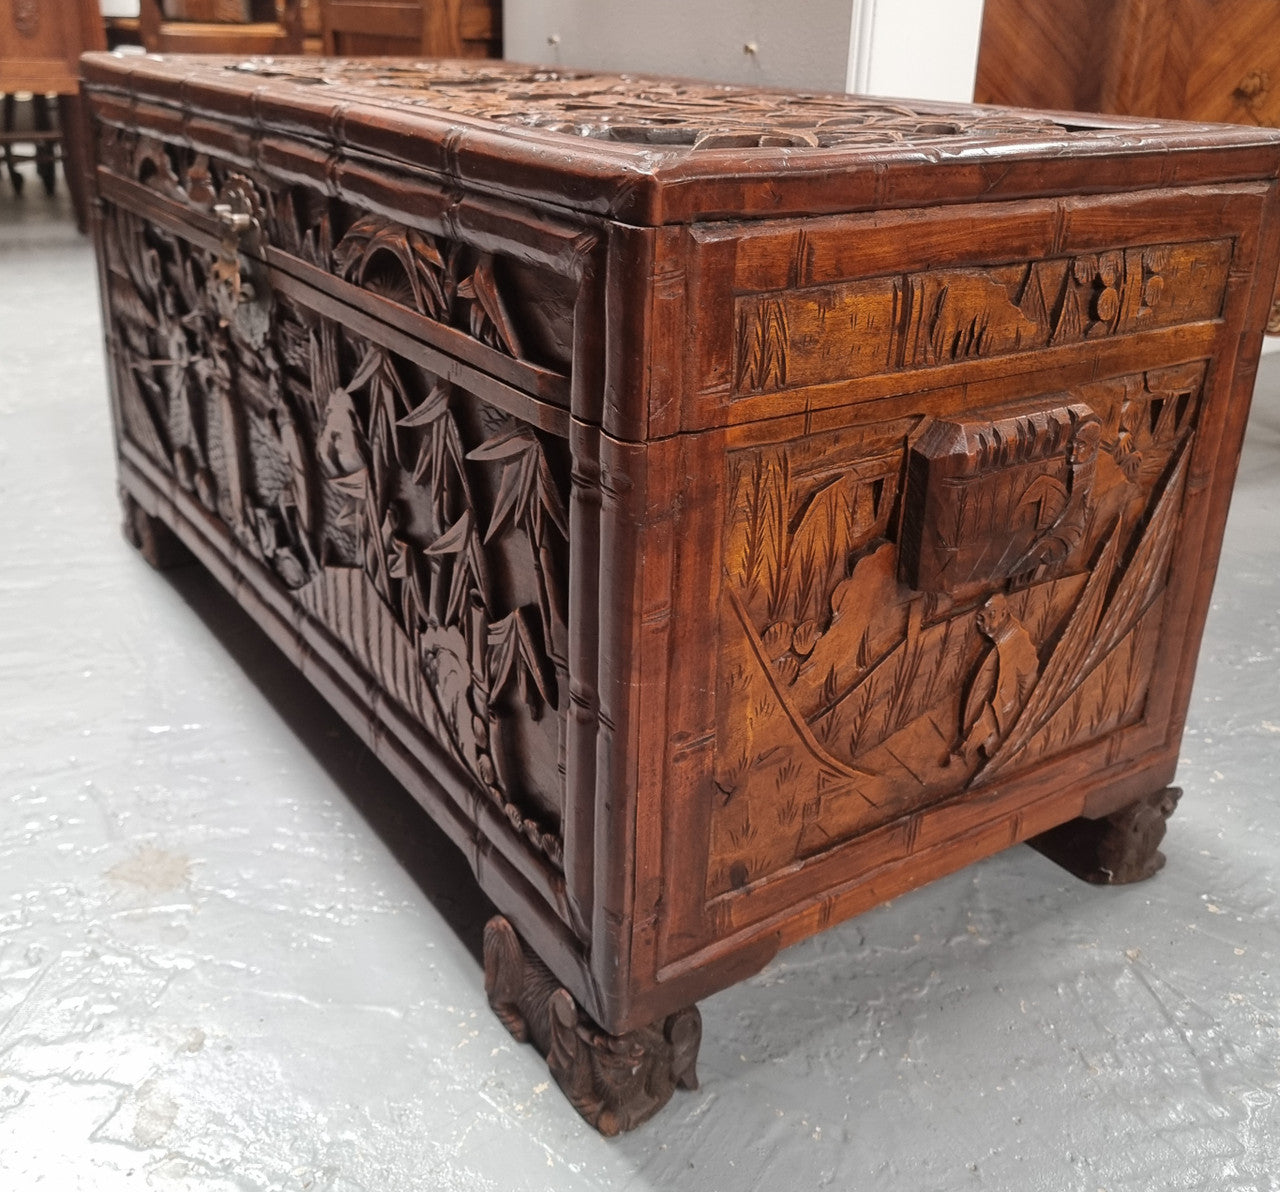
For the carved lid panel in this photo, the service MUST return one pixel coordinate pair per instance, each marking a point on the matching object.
(655, 150)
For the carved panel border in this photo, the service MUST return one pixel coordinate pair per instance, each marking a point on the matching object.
(519, 309)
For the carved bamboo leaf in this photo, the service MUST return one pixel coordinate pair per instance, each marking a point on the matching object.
(481, 288)
(368, 366)
(517, 448)
(527, 482)
(510, 443)
(514, 492)
(453, 540)
(549, 496)
(416, 252)
(429, 270)
(459, 542)
(1096, 628)
(436, 404)
(1144, 577)
(513, 657)
(366, 238)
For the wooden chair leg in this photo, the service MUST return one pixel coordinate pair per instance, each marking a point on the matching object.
(6, 128)
(46, 155)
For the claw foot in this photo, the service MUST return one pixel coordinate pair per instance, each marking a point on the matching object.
(614, 1081)
(1117, 848)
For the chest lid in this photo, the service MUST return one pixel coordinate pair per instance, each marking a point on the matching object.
(652, 151)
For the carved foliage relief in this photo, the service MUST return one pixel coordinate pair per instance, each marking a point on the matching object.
(427, 529)
(518, 310)
(651, 111)
(920, 320)
(912, 608)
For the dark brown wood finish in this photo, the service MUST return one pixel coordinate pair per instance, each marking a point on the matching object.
(723, 509)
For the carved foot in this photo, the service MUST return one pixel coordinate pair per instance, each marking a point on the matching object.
(1118, 848)
(615, 1081)
(155, 542)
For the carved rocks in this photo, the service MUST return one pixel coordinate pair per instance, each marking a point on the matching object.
(724, 509)
(615, 1081)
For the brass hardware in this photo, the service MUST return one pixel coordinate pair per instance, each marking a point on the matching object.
(236, 296)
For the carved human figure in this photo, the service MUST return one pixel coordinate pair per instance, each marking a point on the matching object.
(1002, 684)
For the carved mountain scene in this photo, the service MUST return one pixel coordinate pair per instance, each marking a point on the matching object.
(911, 609)
(823, 334)
(425, 528)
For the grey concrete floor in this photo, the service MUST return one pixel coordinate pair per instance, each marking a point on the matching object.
(234, 956)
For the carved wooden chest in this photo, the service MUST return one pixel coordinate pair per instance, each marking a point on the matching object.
(723, 509)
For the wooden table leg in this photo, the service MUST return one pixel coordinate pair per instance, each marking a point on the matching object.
(75, 154)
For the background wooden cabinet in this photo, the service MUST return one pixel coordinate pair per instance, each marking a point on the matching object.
(1181, 59)
(40, 46)
(439, 29)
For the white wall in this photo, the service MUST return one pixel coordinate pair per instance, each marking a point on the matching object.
(924, 49)
(804, 43)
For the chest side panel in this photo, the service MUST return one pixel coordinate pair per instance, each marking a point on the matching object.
(953, 571)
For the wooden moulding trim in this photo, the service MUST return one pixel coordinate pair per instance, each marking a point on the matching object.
(643, 184)
(552, 419)
(903, 389)
(1011, 821)
(525, 888)
(618, 692)
(883, 180)
(443, 350)
(1042, 374)
(584, 700)
(793, 254)
(366, 180)
(1239, 397)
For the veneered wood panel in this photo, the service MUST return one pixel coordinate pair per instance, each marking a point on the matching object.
(1185, 59)
(447, 28)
